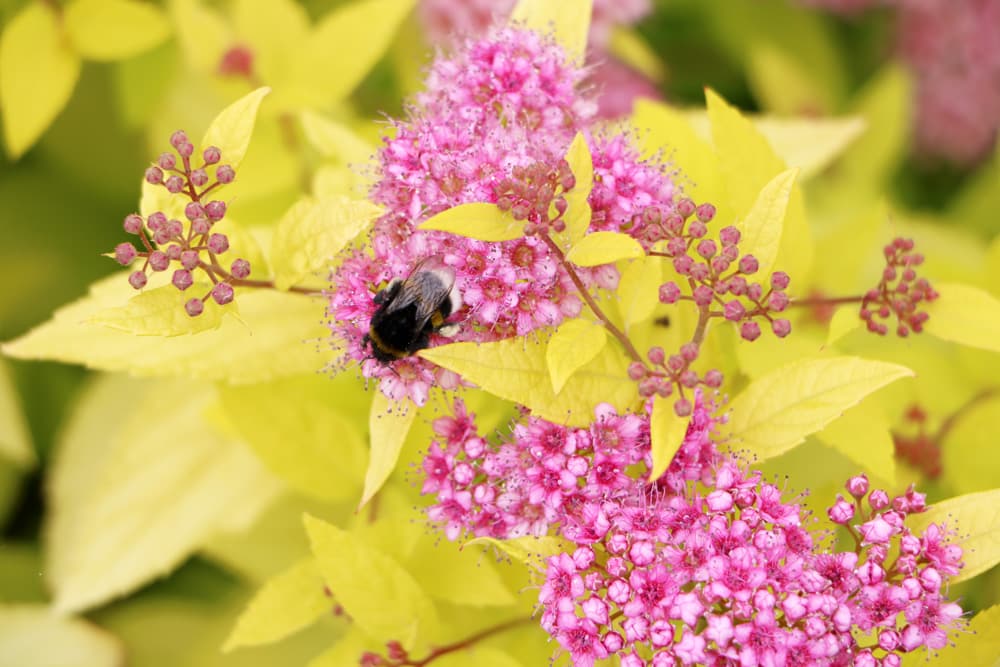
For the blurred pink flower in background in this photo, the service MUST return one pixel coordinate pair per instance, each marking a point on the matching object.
(617, 85)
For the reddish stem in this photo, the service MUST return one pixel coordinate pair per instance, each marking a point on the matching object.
(464, 643)
(582, 289)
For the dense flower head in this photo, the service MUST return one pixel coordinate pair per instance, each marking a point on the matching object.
(446, 20)
(726, 573)
(493, 125)
(544, 475)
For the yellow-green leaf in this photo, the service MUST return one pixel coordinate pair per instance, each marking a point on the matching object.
(845, 320)
(276, 31)
(664, 128)
(15, 441)
(304, 438)
(777, 411)
(459, 576)
(666, 433)
(515, 369)
(863, 436)
(335, 140)
(160, 312)
(581, 163)
(784, 84)
(599, 248)
(966, 315)
(139, 482)
(628, 46)
(347, 650)
(203, 33)
(976, 519)
(529, 549)
(969, 455)
(275, 337)
(33, 635)
(978, 645)
(286, 603)
(388, 424)
(480, 656)
(231, 130)
(351, 39)
(569, 20)
(748, 163)
(810, 144)
(639, 290)
(378, 594)
(38, 71)
(574, 344)
(761, 228)
(114, 29)
(311, 233)
(480, 221)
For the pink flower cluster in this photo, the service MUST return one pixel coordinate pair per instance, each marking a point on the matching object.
(617, 85)
(952, 50)
(729, 575)
(899, 294)
(707, 564)
(544, 476)
(492, 126)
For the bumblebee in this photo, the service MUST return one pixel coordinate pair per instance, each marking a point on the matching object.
(410, 310)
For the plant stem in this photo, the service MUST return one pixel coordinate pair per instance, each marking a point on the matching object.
(582, 289)
(465, 643)
(953, 418)
(824, 301)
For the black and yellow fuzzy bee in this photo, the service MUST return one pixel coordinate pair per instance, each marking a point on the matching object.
(410, 310)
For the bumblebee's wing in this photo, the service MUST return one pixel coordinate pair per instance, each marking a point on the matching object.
(425, 292)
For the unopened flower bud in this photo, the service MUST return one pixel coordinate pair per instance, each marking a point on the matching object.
(841, 512)
(156, 221)
(781, 327)
(685, 207)
(697, 229)
(222, 293)
(713, 379)
(734, 311)
(702, 295)
(225, 174)
(656, 355)
(185, 150)
(729, 236)
(132, 223)
(682, 407)
(878, 499)
(199, 178)
(218, 243)
(182, 279)
(154, 175)
(707, 248)
(158, 260)
(201, 226)
(240, 268)
(193, 210)
(779, 280)
(194, 307)
(167, 161)
(777, 302)
(750, 331)
(137, 279)
(189, 259)
(174, 184)
(211, 155)
(689, 379)
(178, 138)
(636, 371)
(748, 264)
(669, 292)
(125, 253)
(857, 486)
(689, 352)
(705, 212)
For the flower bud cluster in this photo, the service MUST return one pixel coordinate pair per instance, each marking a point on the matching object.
(665, 373)
(899, 293)
(717, 273)
(535, 194)
(189, 245)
